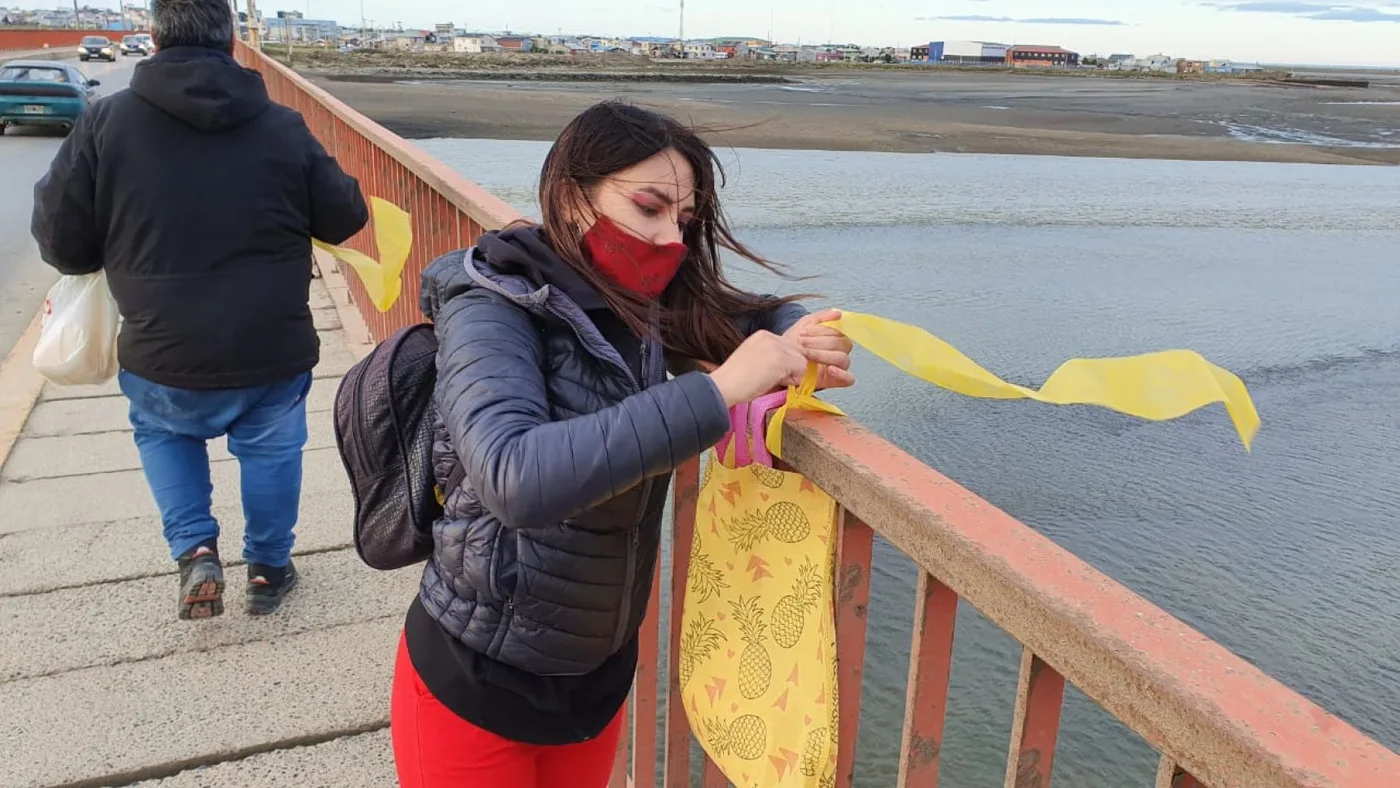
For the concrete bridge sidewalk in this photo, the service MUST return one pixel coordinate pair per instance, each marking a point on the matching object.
(101, 685)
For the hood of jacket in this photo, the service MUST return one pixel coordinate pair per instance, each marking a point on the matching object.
(516, 263)
(202, 88)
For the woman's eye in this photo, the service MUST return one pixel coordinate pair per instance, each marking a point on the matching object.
(648, 211)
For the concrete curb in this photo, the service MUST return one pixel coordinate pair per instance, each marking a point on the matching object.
(20, 387)
(357, 336)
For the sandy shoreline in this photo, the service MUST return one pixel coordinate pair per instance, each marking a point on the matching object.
(949, 112)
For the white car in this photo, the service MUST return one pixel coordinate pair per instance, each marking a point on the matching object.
(140, 45)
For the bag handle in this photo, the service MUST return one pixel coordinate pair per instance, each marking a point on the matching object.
(758, 413)
(738, 423)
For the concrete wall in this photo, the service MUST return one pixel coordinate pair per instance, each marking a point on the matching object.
(40, 37)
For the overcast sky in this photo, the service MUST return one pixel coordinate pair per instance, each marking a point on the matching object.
(1357, 32)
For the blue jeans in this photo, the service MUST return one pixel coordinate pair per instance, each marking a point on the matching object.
(266, 429)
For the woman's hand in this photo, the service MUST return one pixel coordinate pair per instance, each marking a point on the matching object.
(826, 346)
(764, 362)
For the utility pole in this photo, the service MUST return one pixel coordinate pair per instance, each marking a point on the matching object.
(682, 31)
(254, 34)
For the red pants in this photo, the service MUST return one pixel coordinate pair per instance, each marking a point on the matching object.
(434, 748)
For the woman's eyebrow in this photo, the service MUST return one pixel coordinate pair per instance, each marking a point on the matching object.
(666, 198)
(657, 193)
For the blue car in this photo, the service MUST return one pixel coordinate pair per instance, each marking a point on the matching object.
(43, 93)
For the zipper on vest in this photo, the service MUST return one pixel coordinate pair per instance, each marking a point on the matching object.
(630, 578)
(589, 339)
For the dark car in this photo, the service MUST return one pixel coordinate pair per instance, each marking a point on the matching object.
(97, 48)
(139, 44)
(43, 93)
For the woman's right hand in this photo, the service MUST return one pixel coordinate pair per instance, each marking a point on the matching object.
(764, 361)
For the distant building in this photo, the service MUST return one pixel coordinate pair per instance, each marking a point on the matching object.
(1190, 67)
(1041, 57)
(290, 26)
(412, 41)
(1230, 67)
(967, 53)
(702, 50)
(515, 43)
(919, 54)
(472, 44)
(1154, 63)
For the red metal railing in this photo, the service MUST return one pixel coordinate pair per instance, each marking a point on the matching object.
(448, 211)
(1216, 719)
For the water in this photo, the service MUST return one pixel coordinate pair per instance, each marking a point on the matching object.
(1285, 274)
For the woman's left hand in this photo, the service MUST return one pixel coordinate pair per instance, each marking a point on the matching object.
(829, 348)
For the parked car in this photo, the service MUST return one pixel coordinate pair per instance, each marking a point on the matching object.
(140, 45)
(43, 93)
(97, 47)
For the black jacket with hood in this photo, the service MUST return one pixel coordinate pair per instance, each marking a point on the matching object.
(567, 430)
(199, 197)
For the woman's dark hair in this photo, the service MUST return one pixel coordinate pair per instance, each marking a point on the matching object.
(700, 305)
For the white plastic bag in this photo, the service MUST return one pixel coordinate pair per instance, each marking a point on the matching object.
(78, 341)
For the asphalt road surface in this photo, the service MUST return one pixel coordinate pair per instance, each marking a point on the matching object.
(25, 155)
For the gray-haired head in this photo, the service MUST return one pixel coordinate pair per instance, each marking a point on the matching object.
(192, 23)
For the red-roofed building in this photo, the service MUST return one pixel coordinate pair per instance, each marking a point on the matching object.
(1041, 57)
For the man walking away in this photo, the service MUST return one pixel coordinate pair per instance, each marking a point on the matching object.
(199, 197)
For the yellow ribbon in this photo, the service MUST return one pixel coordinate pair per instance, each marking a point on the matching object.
(393, 237)
(1157, 386)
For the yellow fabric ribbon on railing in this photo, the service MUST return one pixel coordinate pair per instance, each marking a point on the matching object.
(1155, 386)
(393, 237)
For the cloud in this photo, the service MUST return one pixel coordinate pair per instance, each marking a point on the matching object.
(964, 18)
(1033, 21)
(1316, 10)
(1072, 20)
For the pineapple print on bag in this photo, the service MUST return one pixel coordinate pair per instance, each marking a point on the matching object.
(755, 665)
(790, 613)
(767, 476)
(784, 521)
(706, 579)
(746, 737)
(700, 640)
(833, 704)
(814, 752)
(757, 643)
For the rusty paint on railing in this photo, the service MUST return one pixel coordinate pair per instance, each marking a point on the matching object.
(930, 668)
(1217, 720)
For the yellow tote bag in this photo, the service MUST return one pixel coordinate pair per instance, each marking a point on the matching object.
(758, 642)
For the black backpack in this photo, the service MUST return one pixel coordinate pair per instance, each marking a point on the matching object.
(384, 431)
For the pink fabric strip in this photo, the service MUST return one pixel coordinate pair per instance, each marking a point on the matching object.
(739, 425)
(758, 425)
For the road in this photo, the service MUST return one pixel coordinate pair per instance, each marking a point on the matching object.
(24, 158)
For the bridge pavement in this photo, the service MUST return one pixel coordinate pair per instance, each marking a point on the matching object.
(100, 684)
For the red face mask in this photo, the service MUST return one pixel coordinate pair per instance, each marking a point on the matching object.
(641, 266)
